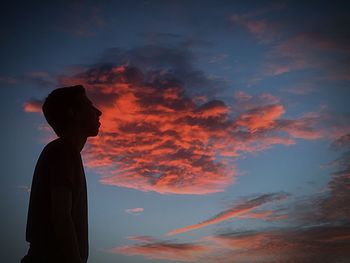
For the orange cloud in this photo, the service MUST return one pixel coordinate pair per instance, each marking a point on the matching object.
(260, 118)
(33, 105)
(235, 211)
(155, 137)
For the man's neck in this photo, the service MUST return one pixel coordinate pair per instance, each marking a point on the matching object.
(76, 139)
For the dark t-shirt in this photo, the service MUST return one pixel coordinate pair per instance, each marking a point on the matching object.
(59, 165)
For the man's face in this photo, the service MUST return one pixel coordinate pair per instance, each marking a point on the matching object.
(88, 117)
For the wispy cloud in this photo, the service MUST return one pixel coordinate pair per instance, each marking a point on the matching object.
(167, 250)
(255, 21)
(8, 80)
(24, 188)
(323, 49)
(237, 210)
(294, 244)
(320, 231)
(134, 211)
(262, 29)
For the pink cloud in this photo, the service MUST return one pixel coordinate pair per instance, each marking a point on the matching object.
(236, 211)
(154, 137)
(136, 210)
(33, 105)
(261, 117)
(263, 30)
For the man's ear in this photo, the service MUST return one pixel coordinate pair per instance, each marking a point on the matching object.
(73, 114)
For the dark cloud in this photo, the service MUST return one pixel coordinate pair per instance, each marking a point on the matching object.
(318, 229)
(172, 62)
(327, 244)
(168, 250)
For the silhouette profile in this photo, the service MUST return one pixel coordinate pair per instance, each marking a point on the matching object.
(57, 222)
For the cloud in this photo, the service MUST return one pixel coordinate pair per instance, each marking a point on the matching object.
(8, 80)
(317, 46)
(237, 210)
(40, 78)
(324, 48)
(260, 117)
(319, 231)
(333, 205)
(302, 88)
(33, 105)
(155, 137)
(161, 132)
(263, 30)
(25, 188)
(267, 215)
(134, 211)
(341, 142)
(294, 244)
(153, 249)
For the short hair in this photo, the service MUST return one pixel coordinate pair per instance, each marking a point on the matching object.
(57, 105)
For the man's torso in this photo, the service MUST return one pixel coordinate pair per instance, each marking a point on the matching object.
(59, 165)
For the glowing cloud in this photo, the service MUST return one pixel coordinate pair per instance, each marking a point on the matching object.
(156, 137)
(160, 132)
(33, 105)
(235, 211)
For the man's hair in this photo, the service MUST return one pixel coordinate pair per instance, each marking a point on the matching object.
(57, 105)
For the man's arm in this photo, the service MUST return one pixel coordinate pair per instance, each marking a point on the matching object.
(63, 224)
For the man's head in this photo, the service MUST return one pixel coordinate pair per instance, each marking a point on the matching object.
(69, 108)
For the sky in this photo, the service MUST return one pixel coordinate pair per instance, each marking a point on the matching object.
(225, 131)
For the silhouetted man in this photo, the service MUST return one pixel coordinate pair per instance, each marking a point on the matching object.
(57, 224)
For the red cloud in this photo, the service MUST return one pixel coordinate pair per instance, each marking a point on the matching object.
(260, 118)
(154, 137)
(152, 249)
(33, 106)
(237, 210)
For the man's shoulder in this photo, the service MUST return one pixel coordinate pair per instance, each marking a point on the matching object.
(58, 148)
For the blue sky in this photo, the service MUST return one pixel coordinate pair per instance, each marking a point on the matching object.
(227, 120)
